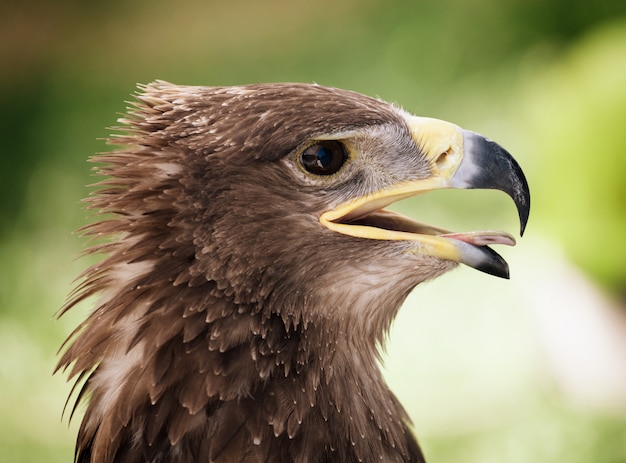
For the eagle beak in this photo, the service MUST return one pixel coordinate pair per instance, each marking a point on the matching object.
(458, 159)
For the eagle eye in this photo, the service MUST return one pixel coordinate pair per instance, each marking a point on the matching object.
(324, 157)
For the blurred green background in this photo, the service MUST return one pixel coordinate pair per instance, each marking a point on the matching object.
(532, 369)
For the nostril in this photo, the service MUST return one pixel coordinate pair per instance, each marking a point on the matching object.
(444, 159)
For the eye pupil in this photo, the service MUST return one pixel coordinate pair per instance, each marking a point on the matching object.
(323, 158)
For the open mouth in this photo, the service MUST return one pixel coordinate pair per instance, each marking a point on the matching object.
(395, 226)
(366, 217)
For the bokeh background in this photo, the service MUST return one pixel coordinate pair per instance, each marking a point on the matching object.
(531, 369)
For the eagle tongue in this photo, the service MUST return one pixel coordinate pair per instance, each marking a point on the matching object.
(483, 238)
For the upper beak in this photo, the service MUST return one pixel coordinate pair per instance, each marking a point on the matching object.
(458, 159)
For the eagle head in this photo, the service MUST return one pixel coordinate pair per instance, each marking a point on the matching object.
(251, 271)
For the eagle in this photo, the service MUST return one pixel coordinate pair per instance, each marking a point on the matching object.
(250, 272)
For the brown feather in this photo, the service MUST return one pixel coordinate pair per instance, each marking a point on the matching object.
(230, 325)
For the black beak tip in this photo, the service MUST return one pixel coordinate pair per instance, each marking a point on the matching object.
(490, 166)
(483, 259)
(495, 266)
(523, 206)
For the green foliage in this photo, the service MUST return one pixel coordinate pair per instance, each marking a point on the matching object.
(574, 115)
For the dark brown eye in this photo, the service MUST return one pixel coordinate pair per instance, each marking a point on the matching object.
(324, 157)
